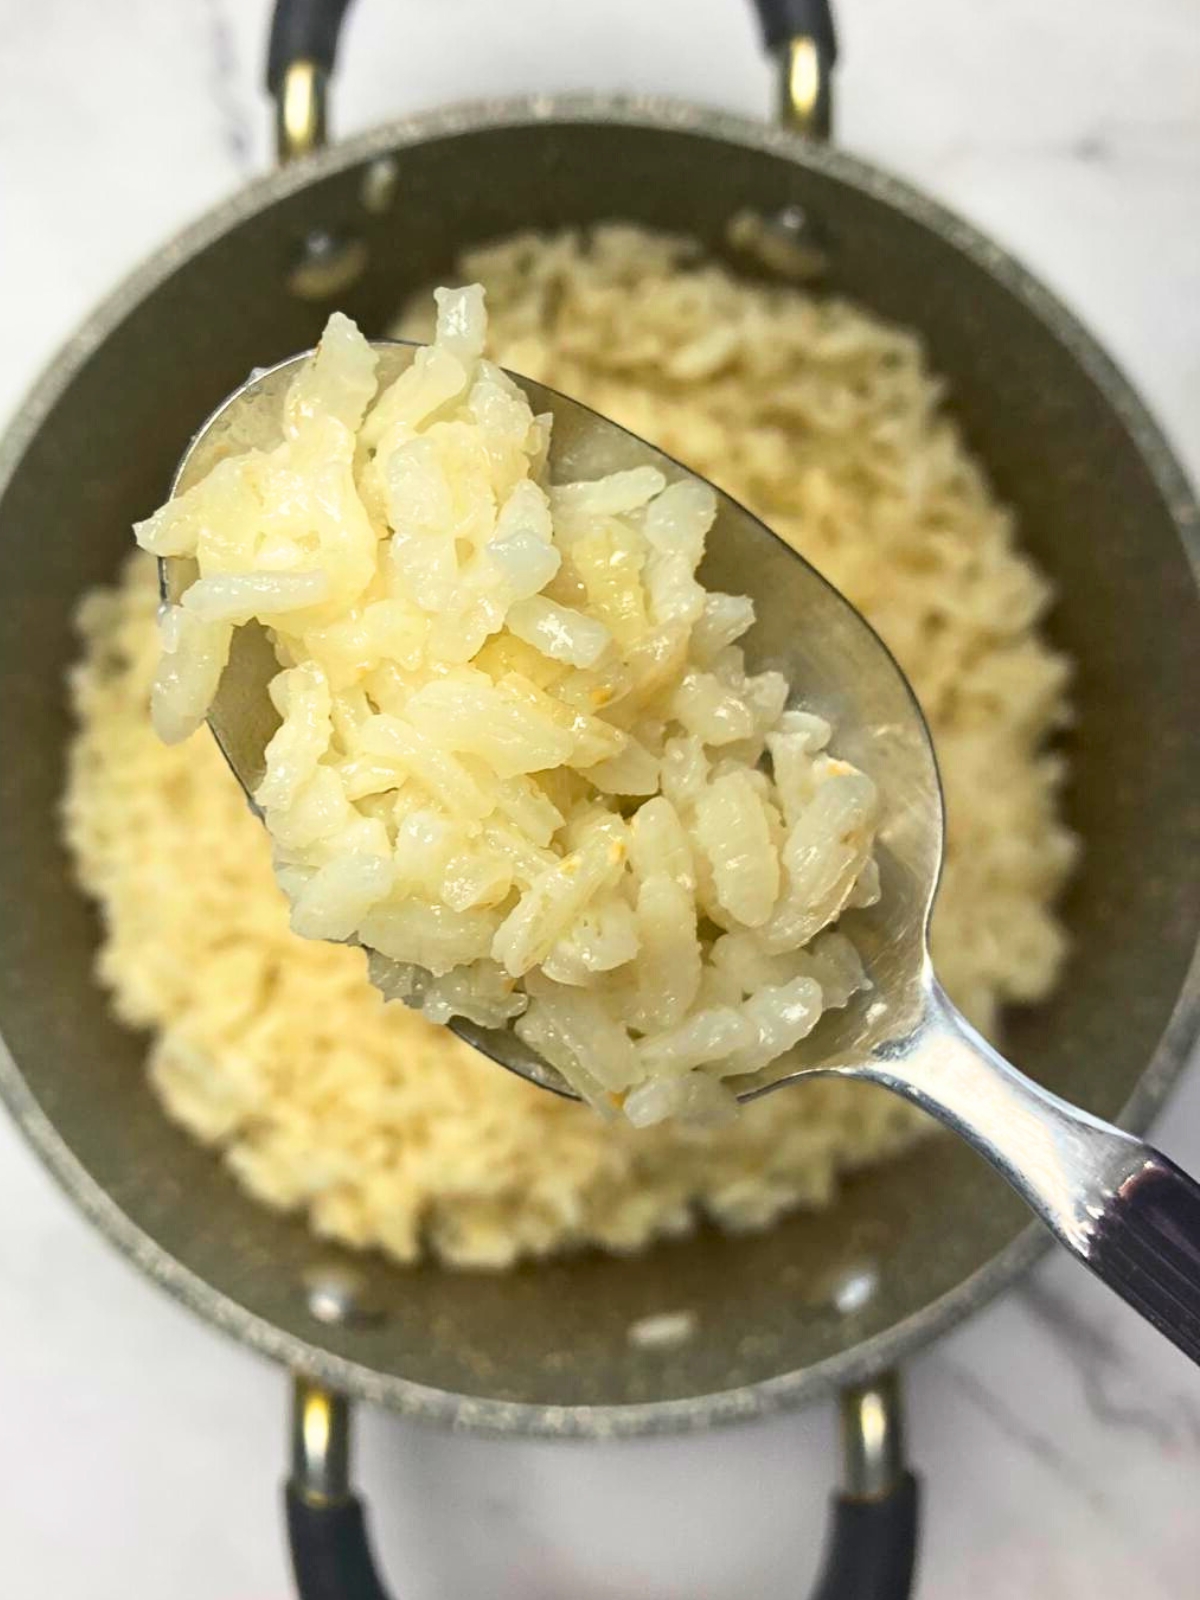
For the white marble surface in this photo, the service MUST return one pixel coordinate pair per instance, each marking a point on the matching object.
(1059, 1438)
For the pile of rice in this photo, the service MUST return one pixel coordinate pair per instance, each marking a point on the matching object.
(520, 758)
(383, 1128)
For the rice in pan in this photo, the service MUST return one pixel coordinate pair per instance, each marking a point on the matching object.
(385, 1130)
(520, 757)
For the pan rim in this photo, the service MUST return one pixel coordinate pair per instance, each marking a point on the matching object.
(694, 1413)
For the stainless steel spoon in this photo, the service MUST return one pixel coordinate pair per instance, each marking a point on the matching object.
(1120, 1206)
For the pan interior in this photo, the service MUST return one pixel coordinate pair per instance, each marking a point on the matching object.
(1092, 512)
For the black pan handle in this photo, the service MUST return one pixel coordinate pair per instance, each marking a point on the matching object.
(300, 59)
(303, 30)
(870, 1548)
(801, 36)
(326, 1523)
(784, 20)
(304, 39)
(307, 30)
(331, 1553)
(871, 1542)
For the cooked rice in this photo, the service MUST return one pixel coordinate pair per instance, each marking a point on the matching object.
(383, 1128)
(520, 758)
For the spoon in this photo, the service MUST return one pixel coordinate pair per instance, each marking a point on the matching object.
(1125, 1210)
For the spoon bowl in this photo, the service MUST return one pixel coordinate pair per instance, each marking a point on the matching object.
(804, 629)
(1124, 1209)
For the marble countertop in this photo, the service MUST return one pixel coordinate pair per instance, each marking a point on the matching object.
(1059, 1437)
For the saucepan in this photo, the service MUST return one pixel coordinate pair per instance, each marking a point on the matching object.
(1104, 509)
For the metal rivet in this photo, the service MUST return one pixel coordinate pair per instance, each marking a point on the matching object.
(855, 1289)
(338, 1294)
(379, 183)
(784, 242)
(328, 263)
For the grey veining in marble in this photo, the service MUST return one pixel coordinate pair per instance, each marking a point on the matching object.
(226, 91)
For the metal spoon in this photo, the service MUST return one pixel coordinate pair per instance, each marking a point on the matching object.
(1117, 1204)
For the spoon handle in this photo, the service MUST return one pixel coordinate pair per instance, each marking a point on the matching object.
(1147, 1247)
(1124, 1209)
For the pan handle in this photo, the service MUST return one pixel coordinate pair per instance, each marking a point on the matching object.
(874, 1518)
(800, 35)
(303, 30)
(870, 1546)
(300, 58)
(304, 38)
(326, 1523)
